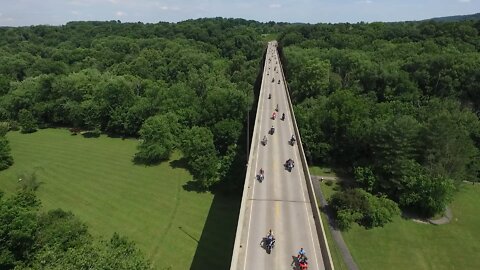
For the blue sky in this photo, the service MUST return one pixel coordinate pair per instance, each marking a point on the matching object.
(56, 12)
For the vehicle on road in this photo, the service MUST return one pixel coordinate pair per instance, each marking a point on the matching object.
(292, 140)
(264, 140)
(272, 130)
(269, 242)
(261, 175)
(289, 164)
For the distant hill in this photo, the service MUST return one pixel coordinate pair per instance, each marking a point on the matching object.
(457, 18)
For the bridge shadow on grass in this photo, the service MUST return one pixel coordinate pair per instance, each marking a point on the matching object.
(215, 247)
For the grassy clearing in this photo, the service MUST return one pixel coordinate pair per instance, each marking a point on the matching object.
(316, 170)
(96, 180)
(404, 244)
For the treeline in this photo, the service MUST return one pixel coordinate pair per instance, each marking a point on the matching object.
(184, 86)
(31, 239)
(393, 104)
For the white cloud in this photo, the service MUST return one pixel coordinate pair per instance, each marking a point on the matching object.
(275, 6)
(368, 2)
(113, 1)
(464, 1)
(165, 7)
(74, 12)
(120, 13)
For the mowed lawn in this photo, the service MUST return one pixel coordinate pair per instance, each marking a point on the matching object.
(96, 179)
(404, 244)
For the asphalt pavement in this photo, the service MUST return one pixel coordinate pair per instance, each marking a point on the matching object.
(280, 202)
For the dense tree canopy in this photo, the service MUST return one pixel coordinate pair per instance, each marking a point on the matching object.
(135, 79)
(393, 103)
(382, 100)
(56, 240)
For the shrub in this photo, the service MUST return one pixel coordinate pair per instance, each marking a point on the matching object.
(4, 127)
(14, 126)
(27, 121)
(6, 159)
(357, 205)
(345, 218)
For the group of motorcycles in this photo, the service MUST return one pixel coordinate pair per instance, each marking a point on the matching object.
(269, 241)
(301, 260)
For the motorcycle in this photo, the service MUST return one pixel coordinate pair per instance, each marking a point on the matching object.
(283, 117)
(269, 244)
(264, 141)
(289, 164)
(302, 262)
(272, 130)
(292, 141)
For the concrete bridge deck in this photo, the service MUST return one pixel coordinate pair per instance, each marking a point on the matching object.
(282, 202)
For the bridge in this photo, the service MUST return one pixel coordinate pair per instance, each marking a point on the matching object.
(284, 201)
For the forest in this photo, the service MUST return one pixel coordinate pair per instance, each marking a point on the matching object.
(185, 86)
(393, 105)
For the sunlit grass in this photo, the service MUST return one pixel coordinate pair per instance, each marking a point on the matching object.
(404, 244)
(96, 179)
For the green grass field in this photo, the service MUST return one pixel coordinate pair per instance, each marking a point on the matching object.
(96, 179)
(404, 244)
(316, 170)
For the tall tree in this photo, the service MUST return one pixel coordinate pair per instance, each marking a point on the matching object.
(159, 137)
(6, 159)
(199, 150)
(27, 121)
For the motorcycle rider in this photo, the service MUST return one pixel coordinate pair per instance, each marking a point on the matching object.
(292, 140)
(301, 253)
(283, 116)
(270, 239)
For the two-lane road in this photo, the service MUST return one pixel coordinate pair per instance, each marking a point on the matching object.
(281, 201)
